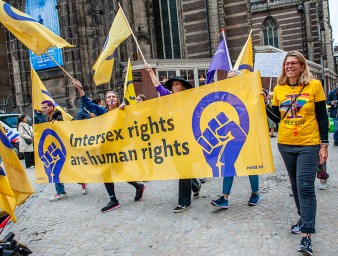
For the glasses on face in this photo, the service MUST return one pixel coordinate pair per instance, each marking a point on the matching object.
(293, 63)
(43, 108)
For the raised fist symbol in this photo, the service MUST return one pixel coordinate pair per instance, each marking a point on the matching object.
(53, 158)
(223, 139)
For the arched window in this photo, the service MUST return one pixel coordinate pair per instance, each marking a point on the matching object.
(270, 32)
(167, 29)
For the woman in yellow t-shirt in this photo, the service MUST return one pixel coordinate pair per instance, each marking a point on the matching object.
(299, 106)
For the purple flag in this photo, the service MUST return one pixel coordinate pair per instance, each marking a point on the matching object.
(220, 61)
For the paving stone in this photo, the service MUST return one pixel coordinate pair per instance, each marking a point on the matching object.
(75, 226)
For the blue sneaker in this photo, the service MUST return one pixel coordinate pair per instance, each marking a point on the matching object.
(220, 203)
(305, 246)
(254, 199)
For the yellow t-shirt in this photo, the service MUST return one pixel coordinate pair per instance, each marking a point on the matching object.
(299, 126)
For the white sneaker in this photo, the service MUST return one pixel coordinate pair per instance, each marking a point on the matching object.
(58, 197)
(323, 184)
(32, 167)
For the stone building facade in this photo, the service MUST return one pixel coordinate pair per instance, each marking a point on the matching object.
(177, 37)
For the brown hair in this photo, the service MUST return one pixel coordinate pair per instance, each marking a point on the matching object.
(305, 76)
(142, 96)
(20, 119)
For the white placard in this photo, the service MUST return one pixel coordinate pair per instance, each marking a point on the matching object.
(269, 64)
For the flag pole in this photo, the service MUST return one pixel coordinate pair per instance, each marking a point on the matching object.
(226, 48)
(59, 65)
(125, 84)
(138, 47)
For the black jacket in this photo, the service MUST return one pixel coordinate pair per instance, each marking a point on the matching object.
(333, 96)
(56, 116)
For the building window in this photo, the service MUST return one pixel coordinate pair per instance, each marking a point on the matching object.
(270, 32)
(167, 29)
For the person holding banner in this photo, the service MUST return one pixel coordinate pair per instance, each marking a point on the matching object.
(299, 105)
(52, 115)
(223, 201)
(112, 102)
(185, 186)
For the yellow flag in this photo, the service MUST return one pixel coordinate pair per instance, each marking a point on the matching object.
(30, 32)
(7, 200)
(129, 90)
(15, 185)
(119, 31)
(41, 94)
(244, 61)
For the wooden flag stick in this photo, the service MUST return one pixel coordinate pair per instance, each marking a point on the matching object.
(138, 47)
(59, 66)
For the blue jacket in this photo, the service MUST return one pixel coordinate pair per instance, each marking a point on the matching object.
(92, 107)
(333, 95)
(82, 114)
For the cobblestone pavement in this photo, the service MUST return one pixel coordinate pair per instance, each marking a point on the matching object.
(75, 226)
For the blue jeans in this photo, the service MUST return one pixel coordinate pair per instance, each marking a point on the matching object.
(227, 184)
(301, 164)
(60, 188)
(335, 132)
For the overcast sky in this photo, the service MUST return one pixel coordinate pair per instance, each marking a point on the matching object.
(333, 4)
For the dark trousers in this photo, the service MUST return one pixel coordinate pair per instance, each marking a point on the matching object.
(185, 186)
(301, 163)
(111, 189)
(29, 159)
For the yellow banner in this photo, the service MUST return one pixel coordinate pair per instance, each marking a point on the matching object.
(215, 130)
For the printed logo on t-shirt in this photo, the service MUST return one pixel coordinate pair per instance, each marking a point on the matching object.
(297, 104)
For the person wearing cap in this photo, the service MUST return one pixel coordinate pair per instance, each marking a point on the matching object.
(185, 186)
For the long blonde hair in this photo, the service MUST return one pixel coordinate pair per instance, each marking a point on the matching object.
(305, 76)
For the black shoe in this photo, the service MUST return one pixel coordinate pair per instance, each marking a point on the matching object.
(139, 193)
(335, 143)
(111, 206)
(203, 180)
(181, 208)
(295, 229)
(196, 195)
(305, 246)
